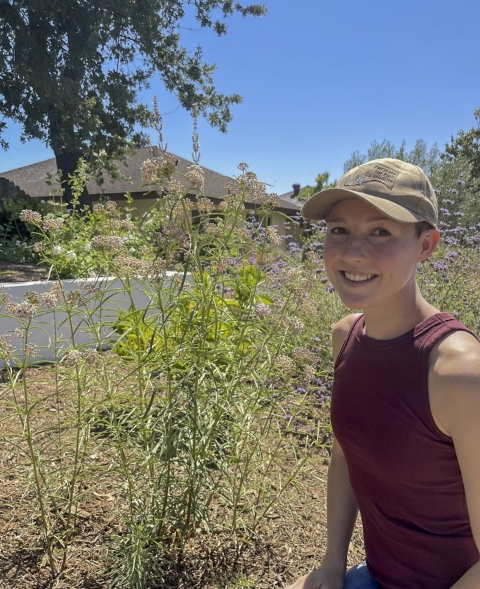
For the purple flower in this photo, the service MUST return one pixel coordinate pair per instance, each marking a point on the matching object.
(454, 191)
(287, 416)
(475, 239)
(449, 240)
(452, 253)
(300, 390)
(439, 265)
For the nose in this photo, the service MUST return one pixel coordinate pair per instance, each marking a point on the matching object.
(353, 249)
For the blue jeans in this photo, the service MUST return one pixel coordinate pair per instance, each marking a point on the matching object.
(358, 577)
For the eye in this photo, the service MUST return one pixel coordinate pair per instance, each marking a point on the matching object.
(338, 230)
(381, 232)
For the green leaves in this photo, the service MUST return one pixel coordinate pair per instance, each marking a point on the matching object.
(71, 71)
(420, 155)
(322, 181)
(466, 145)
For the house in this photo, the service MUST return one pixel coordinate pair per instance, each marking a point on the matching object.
(8, 189)
(32, 180)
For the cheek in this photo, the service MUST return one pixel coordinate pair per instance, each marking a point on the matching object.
(331, 249)
(398, 252)
(330, 254)
(397, 262)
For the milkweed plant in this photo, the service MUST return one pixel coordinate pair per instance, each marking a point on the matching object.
(189, 395)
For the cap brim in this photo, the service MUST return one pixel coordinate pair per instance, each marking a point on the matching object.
(318, 206)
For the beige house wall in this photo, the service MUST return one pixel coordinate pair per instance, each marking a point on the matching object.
(284, 226)
(141, 205)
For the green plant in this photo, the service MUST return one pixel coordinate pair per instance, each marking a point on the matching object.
(209, 362)
(55, 455)
(16, 239)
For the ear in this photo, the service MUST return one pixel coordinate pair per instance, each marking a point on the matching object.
(428, 242)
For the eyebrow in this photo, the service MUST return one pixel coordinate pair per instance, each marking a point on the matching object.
(369, 220)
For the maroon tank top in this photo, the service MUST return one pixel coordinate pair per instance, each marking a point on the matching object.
(402, 468)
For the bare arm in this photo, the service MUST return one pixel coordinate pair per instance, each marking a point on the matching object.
(454, 387)
(342, 506)
(342, 510)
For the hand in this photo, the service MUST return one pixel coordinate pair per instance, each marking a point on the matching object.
(325, 577)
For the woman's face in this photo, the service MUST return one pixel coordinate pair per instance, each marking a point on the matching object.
(370, 259)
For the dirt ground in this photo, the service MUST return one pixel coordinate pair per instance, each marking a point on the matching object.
(287, 544)
(10, 272)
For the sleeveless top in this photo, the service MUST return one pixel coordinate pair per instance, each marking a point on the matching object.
(403, 469)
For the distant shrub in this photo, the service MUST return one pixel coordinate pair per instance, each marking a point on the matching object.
(16, 238)
(457, 194)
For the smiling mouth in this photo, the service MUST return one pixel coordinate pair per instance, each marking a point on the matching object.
(358, 277)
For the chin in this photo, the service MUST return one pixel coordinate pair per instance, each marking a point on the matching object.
(352, 302)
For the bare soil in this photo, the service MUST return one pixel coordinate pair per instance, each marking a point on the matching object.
(288, 543)
(10, 272)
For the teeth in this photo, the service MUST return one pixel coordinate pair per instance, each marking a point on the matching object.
(359, 277)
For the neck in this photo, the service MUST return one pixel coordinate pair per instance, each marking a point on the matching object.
(397, 317)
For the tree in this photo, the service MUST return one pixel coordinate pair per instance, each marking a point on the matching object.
(466, 145)
(71, 70)
(427, 159)
(321, 182)
(457, 193)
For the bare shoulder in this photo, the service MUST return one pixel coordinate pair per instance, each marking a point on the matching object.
(340, 331)
(457, 355)
(454, 381)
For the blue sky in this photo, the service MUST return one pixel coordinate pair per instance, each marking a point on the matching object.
(321, 79)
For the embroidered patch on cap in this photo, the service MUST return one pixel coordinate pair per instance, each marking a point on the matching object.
(372, 173)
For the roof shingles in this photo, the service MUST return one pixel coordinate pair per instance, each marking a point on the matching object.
(32, 179)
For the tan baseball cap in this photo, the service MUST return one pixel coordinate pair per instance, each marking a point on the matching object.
(399, 189)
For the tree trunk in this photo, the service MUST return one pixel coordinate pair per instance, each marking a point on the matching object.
(67, 162)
